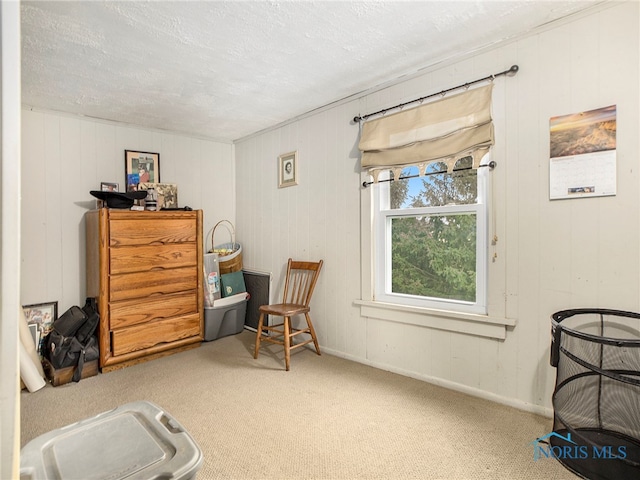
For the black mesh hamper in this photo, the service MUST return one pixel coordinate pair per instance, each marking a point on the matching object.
(596, 399)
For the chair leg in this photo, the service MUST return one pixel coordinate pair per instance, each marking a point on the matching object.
(313, 333)
(258, 335)
(287, 342)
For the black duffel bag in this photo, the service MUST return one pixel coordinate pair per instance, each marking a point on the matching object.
(72, 340)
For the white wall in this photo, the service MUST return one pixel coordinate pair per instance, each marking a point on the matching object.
(64, 157)
(551, 255)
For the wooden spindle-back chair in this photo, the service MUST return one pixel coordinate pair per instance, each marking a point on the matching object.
(298, 288)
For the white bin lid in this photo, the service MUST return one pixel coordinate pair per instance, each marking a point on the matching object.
(134, 441)
(228, 301)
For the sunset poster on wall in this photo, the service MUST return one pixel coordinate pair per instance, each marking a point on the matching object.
(583, 154)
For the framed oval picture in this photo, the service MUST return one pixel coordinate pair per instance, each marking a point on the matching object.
(288, 169)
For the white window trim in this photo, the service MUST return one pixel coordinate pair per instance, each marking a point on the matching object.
(382, 283)
(472, 324)
(491, 325)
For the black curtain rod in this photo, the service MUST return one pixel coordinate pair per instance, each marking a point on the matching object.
(491, 165)
(511, 72)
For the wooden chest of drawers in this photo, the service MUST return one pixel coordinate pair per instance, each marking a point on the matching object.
(145, 269)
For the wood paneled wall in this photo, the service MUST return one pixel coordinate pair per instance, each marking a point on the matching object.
(64, 157)
(551, 255)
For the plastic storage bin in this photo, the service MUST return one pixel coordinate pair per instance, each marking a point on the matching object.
(134, 441)
(226, 317)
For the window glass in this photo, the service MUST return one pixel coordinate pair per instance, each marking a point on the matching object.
(434, 256)
(430, 247)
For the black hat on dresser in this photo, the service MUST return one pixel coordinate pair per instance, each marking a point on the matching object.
(119, 199)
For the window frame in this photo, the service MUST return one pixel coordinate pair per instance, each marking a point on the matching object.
(381, 258)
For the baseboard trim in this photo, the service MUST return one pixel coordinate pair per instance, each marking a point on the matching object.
(475, 392)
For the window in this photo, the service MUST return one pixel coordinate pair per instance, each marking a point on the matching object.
(430, 247)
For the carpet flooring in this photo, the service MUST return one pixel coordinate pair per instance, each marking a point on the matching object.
(327, 418)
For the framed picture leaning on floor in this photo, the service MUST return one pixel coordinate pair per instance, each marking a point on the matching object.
(40, 318)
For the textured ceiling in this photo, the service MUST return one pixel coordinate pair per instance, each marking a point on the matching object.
(227, 69)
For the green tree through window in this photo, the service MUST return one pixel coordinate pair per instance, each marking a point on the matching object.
(434, 255)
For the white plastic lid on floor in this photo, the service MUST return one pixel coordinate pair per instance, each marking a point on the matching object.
(137, 440)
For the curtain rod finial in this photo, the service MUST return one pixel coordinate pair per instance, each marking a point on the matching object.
(513, 70)
(357, 118)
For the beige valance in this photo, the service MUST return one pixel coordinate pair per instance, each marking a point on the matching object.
(442, 131)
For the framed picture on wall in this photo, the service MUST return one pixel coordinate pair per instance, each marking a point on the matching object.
(141, 167)
(288, 169)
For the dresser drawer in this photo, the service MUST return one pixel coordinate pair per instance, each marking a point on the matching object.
(141, 285)
(139, 337)
(150, 257)
(142, 310)
(146, 231)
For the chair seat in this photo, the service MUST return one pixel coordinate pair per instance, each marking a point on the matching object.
(284, 309)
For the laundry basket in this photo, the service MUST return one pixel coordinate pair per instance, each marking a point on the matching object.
(596, 400)
(230, 253)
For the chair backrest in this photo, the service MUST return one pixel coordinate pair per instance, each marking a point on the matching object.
(300, 282)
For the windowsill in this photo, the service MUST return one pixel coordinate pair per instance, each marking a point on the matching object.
(469, 323)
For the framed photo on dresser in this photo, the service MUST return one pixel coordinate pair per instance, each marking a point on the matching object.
(141, 167)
